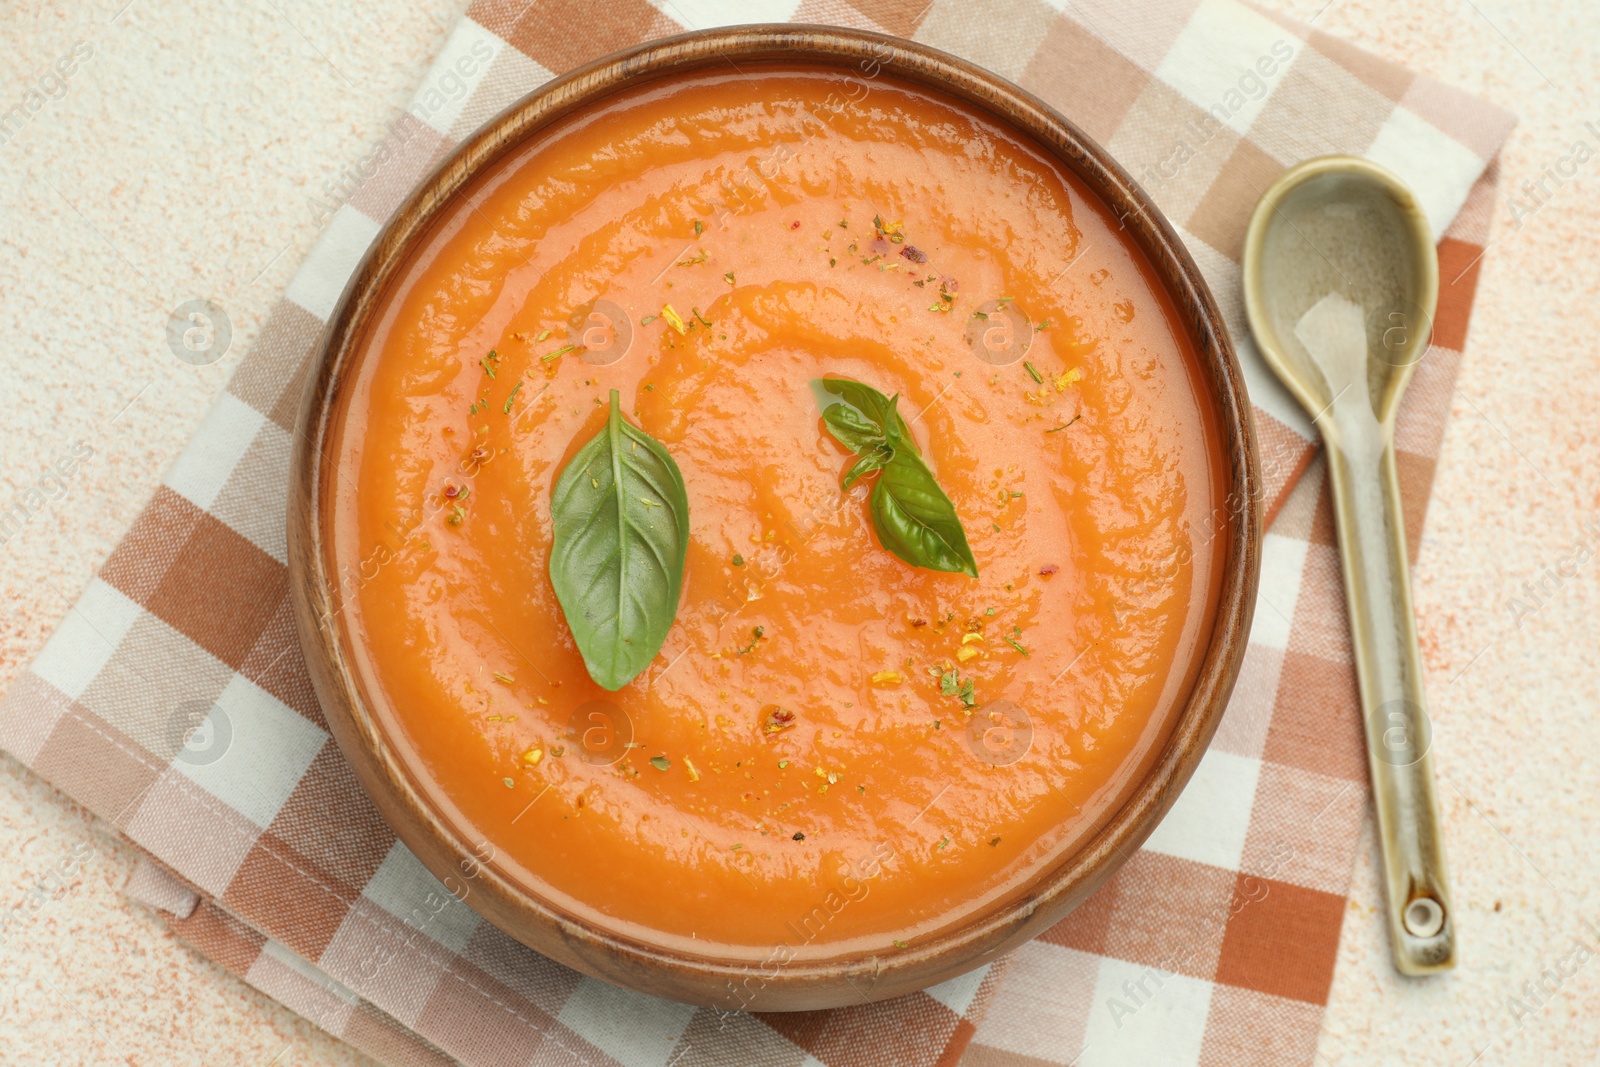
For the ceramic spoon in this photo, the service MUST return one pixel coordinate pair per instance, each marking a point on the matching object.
(1340, 282)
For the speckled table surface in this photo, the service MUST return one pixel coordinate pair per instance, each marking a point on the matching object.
(180, 158)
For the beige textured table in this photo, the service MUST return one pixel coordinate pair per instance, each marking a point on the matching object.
(180, 159)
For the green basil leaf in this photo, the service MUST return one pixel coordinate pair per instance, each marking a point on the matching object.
(878, 409)
(916, 520)
(871, 461)
(621, 518)
(895, 431)
(852, 429)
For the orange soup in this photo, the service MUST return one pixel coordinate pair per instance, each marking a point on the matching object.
(834, 749)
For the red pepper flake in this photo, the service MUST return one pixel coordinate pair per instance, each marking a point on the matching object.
(795, 225)
(1047, 570)
(918, 622)
(777, 720)
(452, 491)
(914, 254)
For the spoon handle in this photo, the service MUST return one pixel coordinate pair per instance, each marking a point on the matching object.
(1372, 549)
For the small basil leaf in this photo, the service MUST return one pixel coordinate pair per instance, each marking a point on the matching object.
(852, 429)
(871, 461)
(878, 408)
(916, 520)
(620, 515)
(896, 433)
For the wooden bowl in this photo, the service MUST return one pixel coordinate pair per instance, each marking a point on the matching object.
(1050, 891)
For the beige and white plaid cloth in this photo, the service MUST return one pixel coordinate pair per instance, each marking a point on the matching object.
(172, 700)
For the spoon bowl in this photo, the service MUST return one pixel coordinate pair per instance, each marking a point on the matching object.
(1341, 225)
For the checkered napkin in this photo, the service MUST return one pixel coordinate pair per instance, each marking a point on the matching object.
(173, 702)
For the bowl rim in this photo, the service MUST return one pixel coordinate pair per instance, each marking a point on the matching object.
(1052, 890)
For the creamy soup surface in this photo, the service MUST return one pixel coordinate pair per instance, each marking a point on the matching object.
(833, 749)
